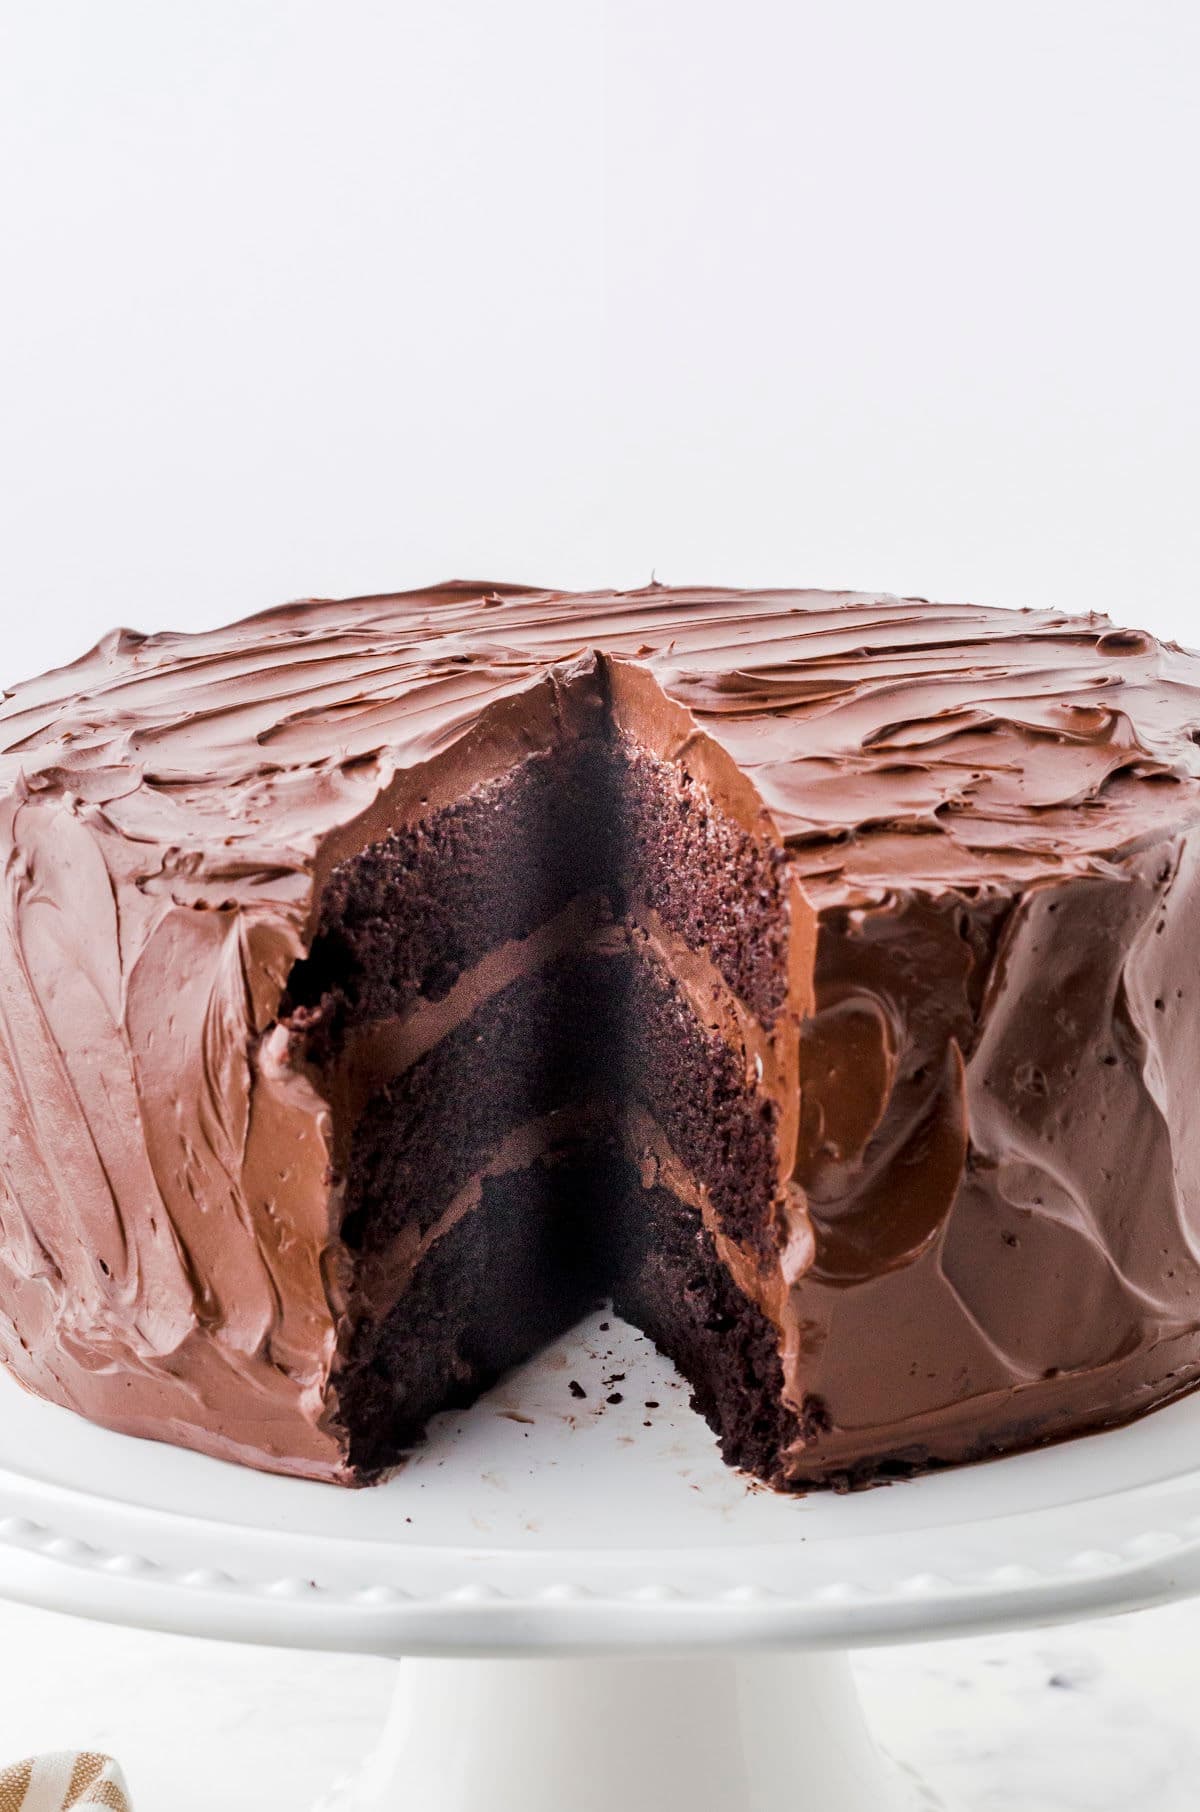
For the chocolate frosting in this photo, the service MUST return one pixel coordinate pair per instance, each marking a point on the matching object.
(992, 816)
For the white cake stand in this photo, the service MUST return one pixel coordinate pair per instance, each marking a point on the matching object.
(604, 1618)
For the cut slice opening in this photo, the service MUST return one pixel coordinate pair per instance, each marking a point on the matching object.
(556, 1019)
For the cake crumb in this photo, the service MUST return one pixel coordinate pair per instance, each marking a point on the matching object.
(576, 1389)
(614, 1397)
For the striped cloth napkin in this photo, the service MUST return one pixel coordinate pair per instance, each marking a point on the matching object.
(54, 1783)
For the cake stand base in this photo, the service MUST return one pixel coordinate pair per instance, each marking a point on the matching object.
(629, 1734)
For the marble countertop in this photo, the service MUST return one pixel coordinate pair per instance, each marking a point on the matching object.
(1096, 1717)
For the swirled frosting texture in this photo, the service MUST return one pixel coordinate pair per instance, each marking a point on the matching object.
(990, 812)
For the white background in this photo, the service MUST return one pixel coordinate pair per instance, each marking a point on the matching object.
(315, 298)
(323, 297)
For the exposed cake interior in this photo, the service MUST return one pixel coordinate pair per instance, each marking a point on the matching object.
(555, 1023)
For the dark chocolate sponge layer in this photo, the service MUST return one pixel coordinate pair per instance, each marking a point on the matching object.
(498, 1285)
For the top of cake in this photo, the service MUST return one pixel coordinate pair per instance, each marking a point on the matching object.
(891, 739)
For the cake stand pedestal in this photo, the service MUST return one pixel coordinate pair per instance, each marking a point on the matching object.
(597, 1615)
(626, 1734)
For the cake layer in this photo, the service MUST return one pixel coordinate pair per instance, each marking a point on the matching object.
(702, 876)
(669, 1277)
(499, 1283)
(406, 917)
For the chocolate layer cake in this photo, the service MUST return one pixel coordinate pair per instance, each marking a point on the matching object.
(814, 975)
